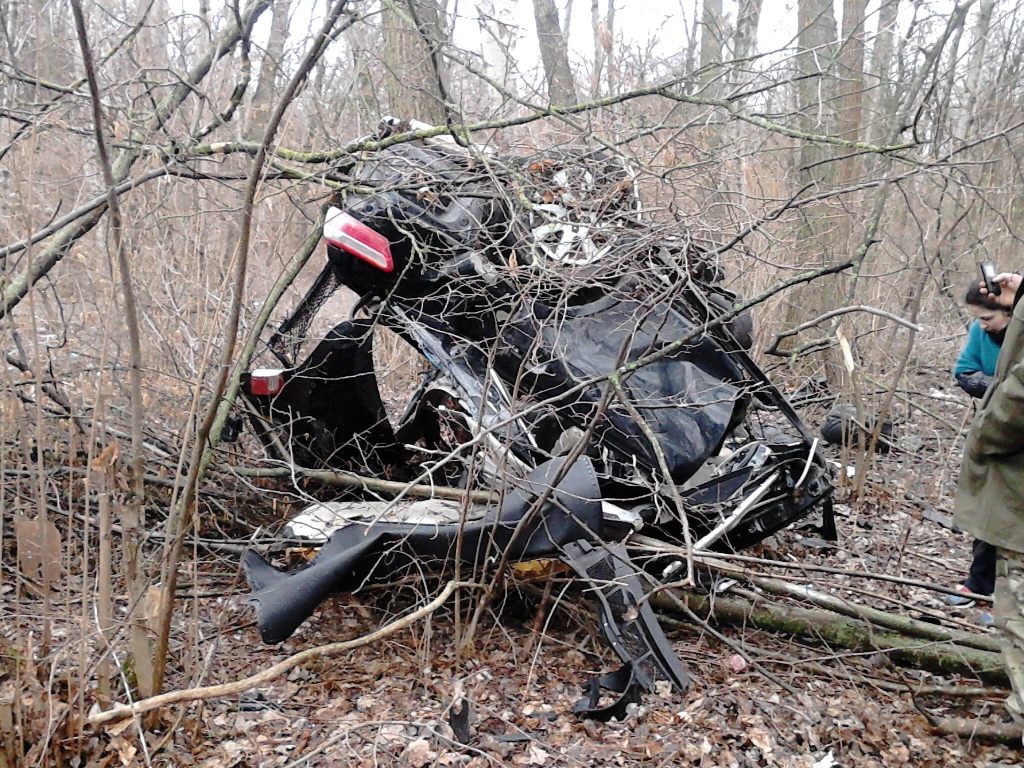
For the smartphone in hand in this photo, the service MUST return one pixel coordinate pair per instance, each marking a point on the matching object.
(988, 274)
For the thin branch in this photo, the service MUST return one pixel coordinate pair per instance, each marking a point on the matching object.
(122, 711)
(715, 558)
(677, 499)
(133, 508)
(774, 349)
(352, 480)
(209, 430)
(38, 267)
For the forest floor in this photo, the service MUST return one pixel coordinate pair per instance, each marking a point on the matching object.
(391, 702)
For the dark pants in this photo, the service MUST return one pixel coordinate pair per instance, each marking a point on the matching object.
(982, 578)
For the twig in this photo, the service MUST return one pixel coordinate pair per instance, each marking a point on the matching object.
(774, 348)
(713, 558)
(351, 479)
(947, 691)
(950, 425)
(204, 693)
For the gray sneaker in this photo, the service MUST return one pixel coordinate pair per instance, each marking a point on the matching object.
(962, 600)
(1014, 707)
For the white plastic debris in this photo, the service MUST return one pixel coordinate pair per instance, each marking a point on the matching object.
(319, 521)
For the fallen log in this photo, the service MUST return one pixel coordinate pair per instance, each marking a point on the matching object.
(940, 657)
(901, 624)
(968, 728)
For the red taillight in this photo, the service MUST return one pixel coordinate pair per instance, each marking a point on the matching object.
(353, 236)
(266, 381)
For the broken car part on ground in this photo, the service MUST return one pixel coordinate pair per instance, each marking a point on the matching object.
(581, 360)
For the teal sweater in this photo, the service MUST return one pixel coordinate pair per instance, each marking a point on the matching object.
(979, 353)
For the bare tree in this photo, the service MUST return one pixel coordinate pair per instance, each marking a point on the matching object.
(417, 78)
(979, 43)
(497, 39)
(850, 71)
(881, 68)
(745, 38)
(270, 68)
(712, 37)
(815, 173)
(554, 54)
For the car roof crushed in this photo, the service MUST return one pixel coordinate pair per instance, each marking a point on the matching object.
(583, 361)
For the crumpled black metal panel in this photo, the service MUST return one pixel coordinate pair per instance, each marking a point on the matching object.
(359, 553)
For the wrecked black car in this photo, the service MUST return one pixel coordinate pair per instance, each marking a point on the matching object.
(578, 358)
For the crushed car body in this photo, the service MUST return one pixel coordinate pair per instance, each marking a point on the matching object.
(581, 361)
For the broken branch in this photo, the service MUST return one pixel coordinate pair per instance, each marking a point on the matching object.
(826, 626)
(774, 348)
(967, 728)
(352, 480)
(123, 711)
(901, 624)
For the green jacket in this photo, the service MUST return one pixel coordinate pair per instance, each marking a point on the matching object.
(990, 493)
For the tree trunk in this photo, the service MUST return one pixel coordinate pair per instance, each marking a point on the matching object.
(155, 35)
(711, 37)
(904, 625)
(367, 99)
(816, 36)
(42, 44)
(263, 99)
(599, 48)
(417, 80)
(816, 93)
(612, 63)
(851, 71)
(554, 54)
(496, 41)
(747, 21)
(881, 63)
(978, 41)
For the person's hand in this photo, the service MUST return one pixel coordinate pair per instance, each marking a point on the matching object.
(1009, 283)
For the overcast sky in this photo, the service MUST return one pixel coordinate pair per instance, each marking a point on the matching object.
(665, 23)
(662, 25)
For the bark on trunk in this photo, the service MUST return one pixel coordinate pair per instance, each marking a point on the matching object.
(747, 21)
(611, 63)
(599, 48)
(263, 99)
(496, 40)
(416, 75)
(367, 100)
(978, 44)
(817, 239)
(881, 64)
(851, 71)
(554, 54)
(711, 36)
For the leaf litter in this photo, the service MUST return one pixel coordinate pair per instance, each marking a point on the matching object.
(390, 703)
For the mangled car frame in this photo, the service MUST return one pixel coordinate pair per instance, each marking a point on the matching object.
(580, 360)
